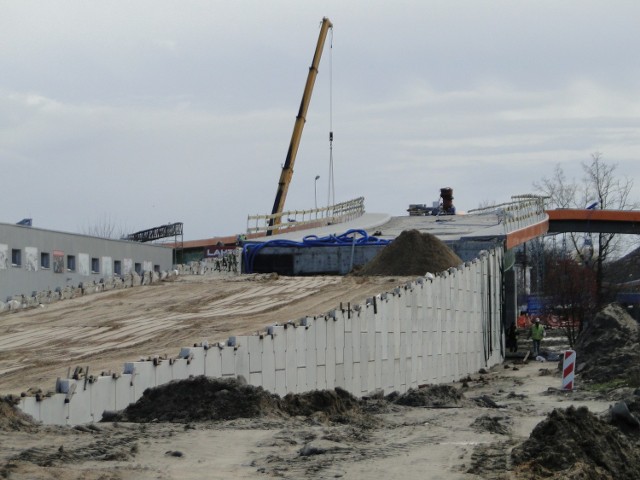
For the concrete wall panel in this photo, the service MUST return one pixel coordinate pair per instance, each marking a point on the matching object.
(102, 397)
(291, 365)
(80, 404)
(124, 391)
(163, 372)
(30, 406)
(254, 345)
(281, 383)
(235, 361)
(268, 364)
(213, 362)
(320, 326)
(54, 410)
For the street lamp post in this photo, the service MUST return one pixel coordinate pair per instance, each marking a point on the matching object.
(315, 193)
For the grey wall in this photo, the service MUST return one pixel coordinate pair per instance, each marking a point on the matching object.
(31, 277)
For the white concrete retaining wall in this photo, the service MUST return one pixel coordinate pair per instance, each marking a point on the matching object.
(433, 330)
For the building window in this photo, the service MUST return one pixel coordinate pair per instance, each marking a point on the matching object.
(156, 268)
(71, 263)
(45, 261)
(95, 265)
(16, 257)
(138, 268)
(117, 267)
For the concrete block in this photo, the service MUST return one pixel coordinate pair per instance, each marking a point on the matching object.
(281, 383)
(80, 404)
(301, 346)
(331, 336)
(393, 346)
(279, 340)
(321, 377)
(311, 361)
(30, 406)
(268, 364)
(365, 386)
(54, 410)
(240, 358)
(320, 327)
(364, 347)
(102, 397)
(255, 379)
(397, 375)
(377, 362)
(195, 360)
(255, 354)
(301, 382)
(291, 365)
(330, 370)
(232, 360)
(339, 339)
(143, 376)
(124, 391)
(348, 360)
(339, 376)
(180, 369)
(163, 372)
(356, 380)
(348, 321)
(356, 320)
(407, 372)
(213, 362)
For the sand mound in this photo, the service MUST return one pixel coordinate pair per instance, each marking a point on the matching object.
(214, 399)
(12, 419)
(609, 347)
(412, 253)
(574, 443)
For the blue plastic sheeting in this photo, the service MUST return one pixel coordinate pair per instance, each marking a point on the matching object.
(347, 239)
(628, 297)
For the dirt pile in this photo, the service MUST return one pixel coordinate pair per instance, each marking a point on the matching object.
(12, 419)
(213, 399)
(332, 403)
(435, 396)
(200, 399)
(574, 443)
(412, 253)
(609, 348)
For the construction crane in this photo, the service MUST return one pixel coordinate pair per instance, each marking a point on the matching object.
(287, 168)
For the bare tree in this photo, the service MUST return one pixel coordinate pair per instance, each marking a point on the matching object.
(104, 227)
(602, 189)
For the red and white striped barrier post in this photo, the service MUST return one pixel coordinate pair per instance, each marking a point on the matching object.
(568, 369)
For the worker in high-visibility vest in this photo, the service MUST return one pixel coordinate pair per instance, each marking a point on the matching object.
(536, 334)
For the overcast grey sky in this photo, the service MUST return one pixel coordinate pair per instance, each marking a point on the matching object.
(152, 112)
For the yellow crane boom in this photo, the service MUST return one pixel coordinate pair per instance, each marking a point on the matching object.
(287, 168)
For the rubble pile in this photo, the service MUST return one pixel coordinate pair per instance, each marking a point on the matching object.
(609, 348)
(574, 443)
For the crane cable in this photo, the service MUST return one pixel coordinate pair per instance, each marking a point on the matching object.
(331, 196)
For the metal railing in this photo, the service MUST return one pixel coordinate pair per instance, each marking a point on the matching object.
(294, 219)
(522, 211)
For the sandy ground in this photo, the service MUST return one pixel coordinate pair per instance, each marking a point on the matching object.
(392, 441)
(469, 441)
(102, 331)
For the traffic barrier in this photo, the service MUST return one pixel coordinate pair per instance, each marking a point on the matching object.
(568, 369)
